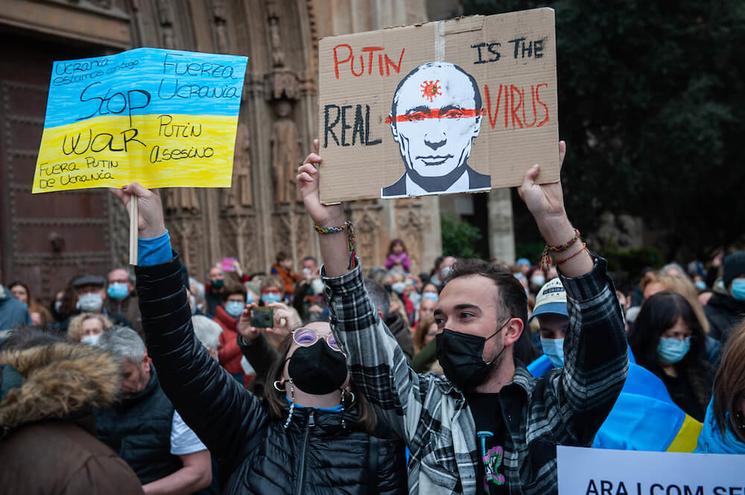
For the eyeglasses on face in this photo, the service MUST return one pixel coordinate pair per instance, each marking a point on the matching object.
(306, 337)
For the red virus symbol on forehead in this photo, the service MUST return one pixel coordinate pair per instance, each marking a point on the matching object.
(431, 89)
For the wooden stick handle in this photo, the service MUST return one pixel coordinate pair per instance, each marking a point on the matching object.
(133, 230)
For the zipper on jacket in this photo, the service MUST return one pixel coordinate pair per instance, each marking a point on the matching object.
(301, 457)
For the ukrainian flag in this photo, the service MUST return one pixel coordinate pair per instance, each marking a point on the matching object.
(644, 416)
(165, 118)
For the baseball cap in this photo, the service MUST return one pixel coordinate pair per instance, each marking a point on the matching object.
(551, 299)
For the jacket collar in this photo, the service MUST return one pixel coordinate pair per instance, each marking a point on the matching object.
(327, 422)
(521, 380)
(151, 386)
(225, 319)
(60, 381)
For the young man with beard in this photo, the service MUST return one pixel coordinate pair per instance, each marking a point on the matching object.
(488, 426)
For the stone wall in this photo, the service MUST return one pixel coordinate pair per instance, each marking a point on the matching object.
(260, 215)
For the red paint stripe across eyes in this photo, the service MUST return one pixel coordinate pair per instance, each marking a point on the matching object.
(436, 113)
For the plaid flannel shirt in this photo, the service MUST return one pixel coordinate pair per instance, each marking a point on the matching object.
(565, 407)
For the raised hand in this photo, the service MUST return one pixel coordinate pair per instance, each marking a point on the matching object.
(546, 204)
(150, 222)
(543, 199)
(308, 180)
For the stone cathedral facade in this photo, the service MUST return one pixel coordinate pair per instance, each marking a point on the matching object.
(46, 239)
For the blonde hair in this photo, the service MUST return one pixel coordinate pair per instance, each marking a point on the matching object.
(685, 288)
(422, 328)
(75, 328)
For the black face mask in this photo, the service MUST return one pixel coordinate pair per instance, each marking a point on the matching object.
(461, 357)
(317, 369)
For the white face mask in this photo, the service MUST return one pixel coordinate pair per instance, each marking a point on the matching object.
(316, 286)
(538, 280)
(91, 339)
(91, 302)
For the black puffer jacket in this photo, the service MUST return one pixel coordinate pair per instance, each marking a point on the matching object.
(257, 455)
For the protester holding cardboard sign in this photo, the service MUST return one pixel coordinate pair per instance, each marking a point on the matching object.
(488, 426)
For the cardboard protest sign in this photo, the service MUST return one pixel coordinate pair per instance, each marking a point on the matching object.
(615, 472)
(164, 118)
(451, 106)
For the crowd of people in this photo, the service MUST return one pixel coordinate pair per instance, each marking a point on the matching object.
(349, 379)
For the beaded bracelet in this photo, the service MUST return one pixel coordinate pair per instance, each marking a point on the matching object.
(351, 240)
(584, 248)
(330, 230)
(548, 250)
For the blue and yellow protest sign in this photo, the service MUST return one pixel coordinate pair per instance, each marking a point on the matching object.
(163, 118)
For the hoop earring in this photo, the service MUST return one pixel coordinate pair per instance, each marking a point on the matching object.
(276, 387)
(292, 404)
(344, 398)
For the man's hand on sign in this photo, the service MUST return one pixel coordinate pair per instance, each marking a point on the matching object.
(546, 204)
(150, 222)
(545, 201)
(308, 181)
(334, 248)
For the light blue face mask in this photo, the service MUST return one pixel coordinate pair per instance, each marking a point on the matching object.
(90, 303)
(700, 285)
(234, 308)
(671, 350)
(398, 287)
(554, 351)
(118, 291)
(430, 296)
(271, 297)
(738, 289)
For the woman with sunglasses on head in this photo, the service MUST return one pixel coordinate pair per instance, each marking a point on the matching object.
(313, 433)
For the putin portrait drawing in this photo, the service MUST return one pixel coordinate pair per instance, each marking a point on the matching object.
(435, 117)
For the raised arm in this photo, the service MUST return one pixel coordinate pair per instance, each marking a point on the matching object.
(595, 363)
(221, 413)
(378, 365)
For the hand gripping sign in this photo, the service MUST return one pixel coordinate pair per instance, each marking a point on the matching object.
(163, 118)
(453, 106)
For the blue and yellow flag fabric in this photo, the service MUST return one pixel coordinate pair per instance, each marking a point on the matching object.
(164, 118)
(644, 416)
